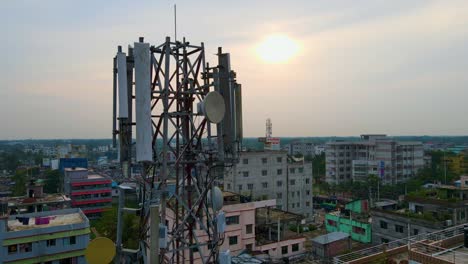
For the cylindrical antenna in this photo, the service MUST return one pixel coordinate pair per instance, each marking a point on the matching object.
(175, 23)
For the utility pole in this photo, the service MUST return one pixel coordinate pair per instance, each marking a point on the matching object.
(445, 169)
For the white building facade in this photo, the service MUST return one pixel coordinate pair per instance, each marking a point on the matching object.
(393, 161)
(269, 175)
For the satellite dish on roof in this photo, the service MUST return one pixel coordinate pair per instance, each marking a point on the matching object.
(100, 250)
(213, 107)
(215, 198)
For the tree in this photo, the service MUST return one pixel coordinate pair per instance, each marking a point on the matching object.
(53, 181)
(20, 180)
(107, 227)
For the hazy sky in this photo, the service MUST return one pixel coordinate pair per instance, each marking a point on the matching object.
(395, 67)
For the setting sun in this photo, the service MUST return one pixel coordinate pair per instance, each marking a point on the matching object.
(277, 49)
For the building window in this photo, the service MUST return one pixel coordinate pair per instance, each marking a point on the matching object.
(301, 170)
(307, 181)
(383, 225)
(12, 249)
(292, 170)
(264, 160)
(249, 247)
(229, 186)
(399, 228)
(415, 231)
(292, 182)
(292, 194)
(250, 186)
(279, 171)
(279, 195)
(72, 240)
(264, 172)
(249, 229)
(292, 205)
(331, 222)
(307, 203)
(297, 205)
(359, 230)
(245, 161)
(295, 247)
(240, 187)
(265, 184)
(307, 192)
(246, 174)
(279, 159)
(233, 240)
(25, 247)
(51, 242)
(279, 183)
(284, 250)
(232, 220)
(384, 240)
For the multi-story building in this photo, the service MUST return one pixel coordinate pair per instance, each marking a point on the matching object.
(271, 175)
(354, 220)
(47, 237)
(457, 163)
(251, 226)
(428, 211)
(301, 148)
(393, 161)
(90, 192)
(35, 200)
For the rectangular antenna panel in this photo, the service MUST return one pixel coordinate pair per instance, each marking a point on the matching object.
(144, 135)
(226, 90)
(122, 84)
(238, 104)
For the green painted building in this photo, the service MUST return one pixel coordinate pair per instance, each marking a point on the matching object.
(356, 223)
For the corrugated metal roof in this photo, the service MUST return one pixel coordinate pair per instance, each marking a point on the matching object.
(330, 238)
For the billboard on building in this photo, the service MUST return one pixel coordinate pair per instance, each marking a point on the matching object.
(382, 169)
(272, 143)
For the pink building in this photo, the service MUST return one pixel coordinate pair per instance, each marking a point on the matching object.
(257, 227)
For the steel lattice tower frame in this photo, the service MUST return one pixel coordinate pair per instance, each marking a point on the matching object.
(180, 78)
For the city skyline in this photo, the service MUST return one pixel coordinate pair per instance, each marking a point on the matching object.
(363, 67)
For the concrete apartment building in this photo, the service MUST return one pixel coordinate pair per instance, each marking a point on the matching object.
(269, 175)
(35, 201)
(252, 227)
(394, 161)
(301, 148)
(56, 237)
(90, 192)
(428, 211)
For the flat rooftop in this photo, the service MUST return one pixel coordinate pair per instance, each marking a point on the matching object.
(274, 214)
(95, 176)
(55, 220)
(24, 200)
(330, 238)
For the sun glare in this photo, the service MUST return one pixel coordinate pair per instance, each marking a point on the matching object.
(277, 49)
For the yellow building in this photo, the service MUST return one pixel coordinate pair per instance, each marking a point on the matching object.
(458, 164)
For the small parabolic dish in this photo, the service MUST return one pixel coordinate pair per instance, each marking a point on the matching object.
(215, 198)
(213, 107)
(100, 250)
